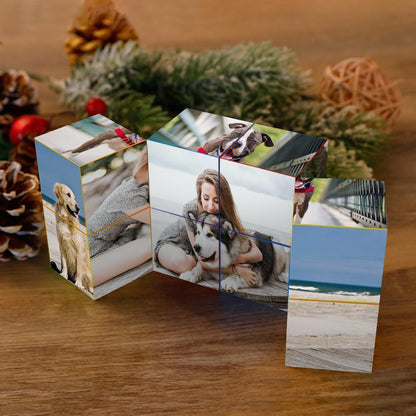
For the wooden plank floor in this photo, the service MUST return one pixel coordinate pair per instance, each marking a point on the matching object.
(164, 346)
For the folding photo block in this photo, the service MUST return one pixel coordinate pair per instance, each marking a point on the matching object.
(94, 183)
(336, 271)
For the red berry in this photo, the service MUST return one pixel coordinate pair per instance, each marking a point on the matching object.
(26, 124)
(95, 106)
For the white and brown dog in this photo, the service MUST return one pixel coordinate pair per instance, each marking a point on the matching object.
(238, 143)
(304, 188)
(275, 263)
(72, 245)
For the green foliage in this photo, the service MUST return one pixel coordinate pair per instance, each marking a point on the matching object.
(343, 163)
(363, 133)
(136, 111)
(253, 82)
(5, 147)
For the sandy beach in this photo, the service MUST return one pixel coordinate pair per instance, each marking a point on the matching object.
(331, 331)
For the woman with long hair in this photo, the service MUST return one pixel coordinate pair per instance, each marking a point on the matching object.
(174, 250)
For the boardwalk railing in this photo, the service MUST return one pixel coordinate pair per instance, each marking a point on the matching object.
(363, 201)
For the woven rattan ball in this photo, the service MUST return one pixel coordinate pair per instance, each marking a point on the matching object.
(360, 82)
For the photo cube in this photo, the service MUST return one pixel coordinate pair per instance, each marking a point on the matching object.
(336, 270)
(94, 184)
(201, 158)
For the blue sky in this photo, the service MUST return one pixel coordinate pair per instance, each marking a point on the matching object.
(338, 255)
(54, 168)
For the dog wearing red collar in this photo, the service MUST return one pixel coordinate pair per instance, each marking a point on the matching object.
(238, 143)
(304, 188)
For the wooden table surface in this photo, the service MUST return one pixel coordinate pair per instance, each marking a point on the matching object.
(163, 346)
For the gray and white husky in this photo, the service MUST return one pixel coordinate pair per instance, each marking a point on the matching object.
(210, 247)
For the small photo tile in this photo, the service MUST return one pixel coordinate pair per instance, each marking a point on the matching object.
(340, 202)
(334, 296)
(254, 267)
(121, 253)
(280, 151)
(178, 176)
(68, 251)
(193, 129)
(115, 187)
(257, 200)
(187, 247)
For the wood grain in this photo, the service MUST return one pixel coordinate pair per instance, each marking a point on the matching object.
(163, 346)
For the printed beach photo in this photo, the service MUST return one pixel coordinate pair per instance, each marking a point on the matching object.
(115, 187)
(340, 202)
(176, 239)
(282, 151)
(196, 130)
(89, 139)
(61, 186)
(68, 250)
(334, 296)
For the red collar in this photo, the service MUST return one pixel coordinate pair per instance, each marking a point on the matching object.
(305, 190)
(123, 137)
(202, 150)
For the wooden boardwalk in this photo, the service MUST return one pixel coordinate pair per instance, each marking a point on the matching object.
(348, 359)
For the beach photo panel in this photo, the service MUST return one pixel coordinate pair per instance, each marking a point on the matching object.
(121, 253)
(57, 172)
(62, 258)
(280, 151)
(115, 186)
(345, 203)
(174, 174)
(261, 200)
(334, 295)
(254, 267)
(194, 129)
(175, 255)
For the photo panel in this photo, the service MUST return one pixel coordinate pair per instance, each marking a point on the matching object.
(68, 251)
(254, 267)
(89, 139)
(121, 253)
(115, 187)
(259, 200)
(187, 248)
(193, 129)
(179, 176)
(61, 186)
(334, 296)
(340, 202)
(280, 151)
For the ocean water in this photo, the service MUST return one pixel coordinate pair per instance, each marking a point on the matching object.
(51, 204)
(333, 288)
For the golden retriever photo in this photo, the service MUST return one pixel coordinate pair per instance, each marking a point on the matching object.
(75, 264)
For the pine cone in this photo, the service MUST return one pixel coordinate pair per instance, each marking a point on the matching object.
(17, 94)
(98, 24)
(25, 155)
(21, 219)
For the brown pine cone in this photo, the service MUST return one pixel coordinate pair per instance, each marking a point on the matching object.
(98, 24)
(25, 154)
(21, 218)
(17, 93)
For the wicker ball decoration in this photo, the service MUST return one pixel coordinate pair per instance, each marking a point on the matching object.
(360, 82)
